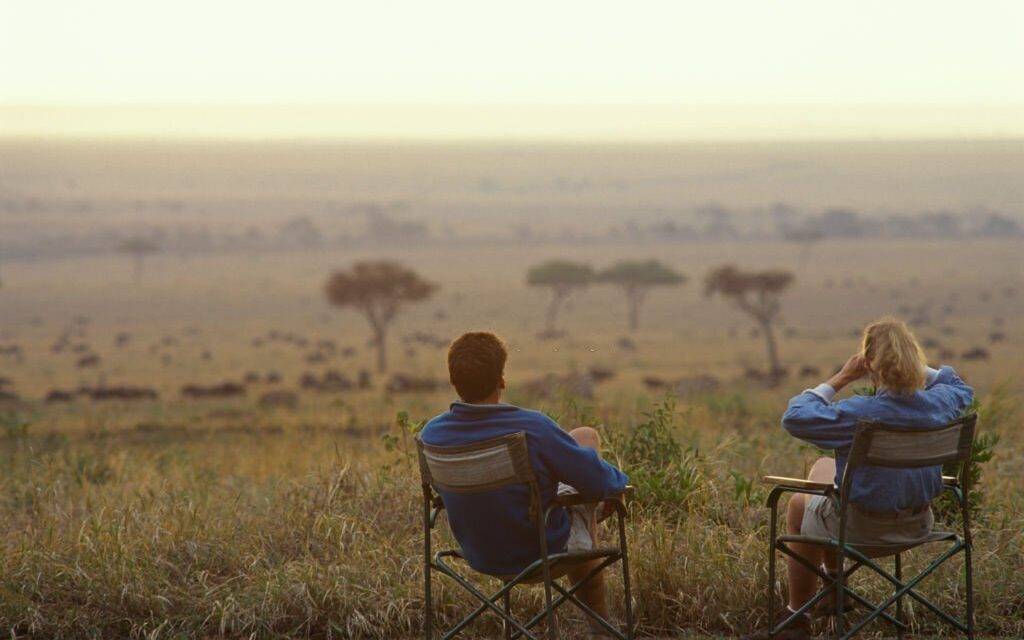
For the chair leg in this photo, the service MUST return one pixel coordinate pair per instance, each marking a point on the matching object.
(508, 612)
(626, 588)
(428, 607)
(899, 601)
(969, 578)
(841, 594)
(552, 621)
(771, 573)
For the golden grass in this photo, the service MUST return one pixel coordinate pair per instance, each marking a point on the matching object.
(304, 532)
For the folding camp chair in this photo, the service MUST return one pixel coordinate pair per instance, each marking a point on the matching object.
(488, 465)
(882, 446)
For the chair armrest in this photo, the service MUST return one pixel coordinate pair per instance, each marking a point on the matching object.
(570, 499)
(798, 483)
(951, 481)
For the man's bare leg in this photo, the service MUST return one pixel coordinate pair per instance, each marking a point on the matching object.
(593, 592)
(802, 583)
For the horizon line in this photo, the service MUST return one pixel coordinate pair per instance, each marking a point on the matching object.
(526, 122)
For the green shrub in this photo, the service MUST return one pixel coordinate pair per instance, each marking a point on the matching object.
(997, 410)
(664, 472)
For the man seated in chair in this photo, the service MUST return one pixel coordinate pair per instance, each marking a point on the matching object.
(496, 530)
(888, 506)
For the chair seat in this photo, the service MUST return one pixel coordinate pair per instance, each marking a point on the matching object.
(560, 562)
(873, 550)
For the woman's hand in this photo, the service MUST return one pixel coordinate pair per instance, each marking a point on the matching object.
(854, 369)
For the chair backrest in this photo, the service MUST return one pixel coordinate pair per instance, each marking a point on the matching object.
(881, 445)
(477, 467)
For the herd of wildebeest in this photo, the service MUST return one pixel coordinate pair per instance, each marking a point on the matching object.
(273, 390)
(270, 384)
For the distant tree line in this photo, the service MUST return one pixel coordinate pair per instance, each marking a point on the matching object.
(636, 279)
(385, 225)
(756, 293)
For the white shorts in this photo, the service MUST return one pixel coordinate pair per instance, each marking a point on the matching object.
(579, 516)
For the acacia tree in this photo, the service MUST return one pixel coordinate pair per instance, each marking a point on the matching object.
(139, 248)
(637, 278)
(378, 289)
(758, 294)
(562, 278)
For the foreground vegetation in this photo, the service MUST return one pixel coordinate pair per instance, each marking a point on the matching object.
(305, 523)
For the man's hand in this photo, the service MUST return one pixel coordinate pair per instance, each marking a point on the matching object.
(855, 368)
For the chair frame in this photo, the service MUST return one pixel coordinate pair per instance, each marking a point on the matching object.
(860, 455)
(548, 565)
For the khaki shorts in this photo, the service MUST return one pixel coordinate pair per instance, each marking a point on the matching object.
(821, 520)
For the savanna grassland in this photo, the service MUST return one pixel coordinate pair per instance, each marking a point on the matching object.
(290, 509)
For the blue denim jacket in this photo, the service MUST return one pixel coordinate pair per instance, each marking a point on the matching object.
(814, 418)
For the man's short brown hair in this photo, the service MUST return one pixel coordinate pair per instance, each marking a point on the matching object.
(476, 364)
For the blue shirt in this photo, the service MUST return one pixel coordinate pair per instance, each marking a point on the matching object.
(494, 529)
(814, 418)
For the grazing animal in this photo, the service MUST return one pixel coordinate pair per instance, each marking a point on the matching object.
(756, 375)
(364, 381)
(309, 381)
(626, 344)
(572, 383)
(222, 390)
(14, 352)
(601, 374)
(696, 385)
(56, 395)
(279, 399)
(404, 383)
(88, 362)
(654, 383)
(977, 353)
(335, 381)
(121, 393)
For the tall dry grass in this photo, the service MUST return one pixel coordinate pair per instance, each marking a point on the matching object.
(281, 526)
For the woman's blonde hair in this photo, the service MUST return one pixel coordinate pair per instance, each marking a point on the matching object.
(896, 360)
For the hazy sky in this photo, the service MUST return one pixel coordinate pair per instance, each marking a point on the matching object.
(963, 59)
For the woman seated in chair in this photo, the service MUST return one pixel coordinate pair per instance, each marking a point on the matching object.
(887, 506)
